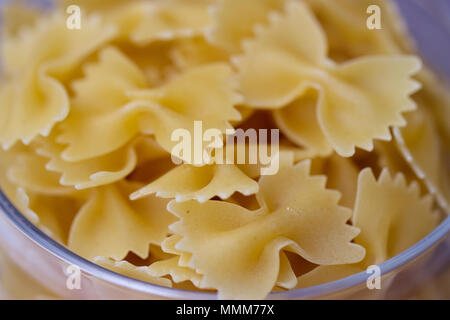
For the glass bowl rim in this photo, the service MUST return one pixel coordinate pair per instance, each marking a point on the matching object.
(21, 223)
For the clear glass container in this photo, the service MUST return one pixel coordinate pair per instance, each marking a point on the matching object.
(34, 266)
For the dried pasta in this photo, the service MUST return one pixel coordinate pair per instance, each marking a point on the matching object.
(87, 119)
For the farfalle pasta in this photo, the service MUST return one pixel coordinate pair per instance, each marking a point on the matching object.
(278, 66)
(33, 93)
(285, 221)
(88, 116)
(109, 217)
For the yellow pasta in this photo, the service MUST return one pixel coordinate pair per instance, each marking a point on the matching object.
(92, 173)
(16, 16)
(29, 171)
(194, 52)
(235, 20)
(299, 122)
(172, 19)
(53, 214)
(127, 269)
(102, 117)
(169, 245)
(89, 121)
(101, 170)
(342, 175)
(206, 92)
(344, 22)
(177, 273)
(391, 215)
(422, 148)
(187, 182)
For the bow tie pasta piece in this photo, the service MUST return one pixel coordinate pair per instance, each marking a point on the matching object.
(110, 225)
(102, 119)
(64, 48)
(101, 170)
(20, 104)
(271, 66)
(170, 267)
(144, 22)
(286, 277)
(168, 20)
(187, 182)
(205, 93)
(189, 53)
(235, 20)
(129, 270)
(358, 101)
(435, 96)
(52, 214)
(345, 22)
(238, 250)
(34, 95)
(380, 109)
(179, 273)
(391, 215)
(156, 254)
(421, 146)
(298, 121)
(92, 172)
(178, 267)
(377, 215)
(29, 171)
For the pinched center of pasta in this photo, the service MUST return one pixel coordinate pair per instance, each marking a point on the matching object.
(88, 119)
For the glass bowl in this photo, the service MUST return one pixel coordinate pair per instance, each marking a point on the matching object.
(39, 263)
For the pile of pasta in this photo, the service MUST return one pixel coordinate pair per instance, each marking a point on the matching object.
(85, 127)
